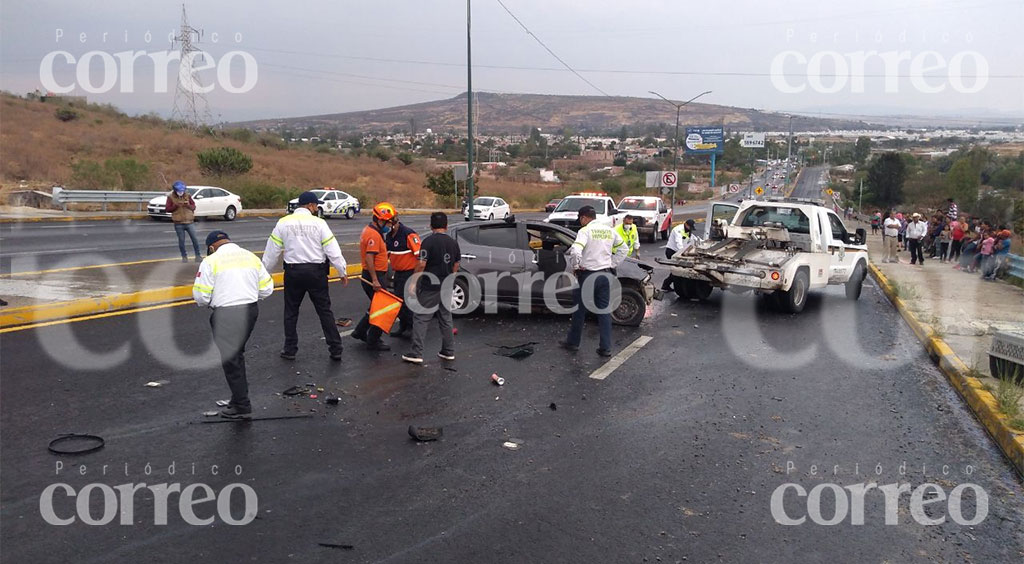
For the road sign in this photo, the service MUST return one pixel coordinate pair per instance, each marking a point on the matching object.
(662, 179)
(733, 188)
(705, 140)
(759, 190)
(460, 171)
(828, 191)
(752, 140)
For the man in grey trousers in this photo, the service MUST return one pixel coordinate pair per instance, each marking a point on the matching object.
(439, 259)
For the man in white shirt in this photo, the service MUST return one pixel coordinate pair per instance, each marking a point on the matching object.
(230, 281)
(890, 237)
(681, 238)
(309, 249)
(595, 253)
(916, 231)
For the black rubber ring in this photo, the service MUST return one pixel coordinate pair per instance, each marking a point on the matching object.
(52, 447)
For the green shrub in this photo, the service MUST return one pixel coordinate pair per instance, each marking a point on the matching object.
(406, 158)
(240, 134)
(224, 161)
(130, 174)
(261, 195)
(66, 114)
(113, 174)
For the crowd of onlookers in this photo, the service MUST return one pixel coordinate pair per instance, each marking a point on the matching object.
(972, 244)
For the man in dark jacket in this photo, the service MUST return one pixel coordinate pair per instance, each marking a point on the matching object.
(182, 209)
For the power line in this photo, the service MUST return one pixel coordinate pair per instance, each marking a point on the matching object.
(546, 48)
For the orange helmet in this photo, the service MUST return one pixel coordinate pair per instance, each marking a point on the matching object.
(384, 211)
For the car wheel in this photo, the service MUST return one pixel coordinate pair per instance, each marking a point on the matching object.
(490, 217)
(460, 304)
(230, 213)
(350, 213)
(664, 235)
(795, 299)
(320, 212)
(856, 281)
(701, 290)
(631, 309)
(653, 237)
(683, 288)
(506, 216)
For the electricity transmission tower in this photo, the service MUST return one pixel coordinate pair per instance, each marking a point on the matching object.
(190, 106)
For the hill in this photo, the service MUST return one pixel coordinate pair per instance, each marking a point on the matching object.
(514, 113)
(40, 151)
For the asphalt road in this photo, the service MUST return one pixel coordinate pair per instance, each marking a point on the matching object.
(673, 457)
(809, 184)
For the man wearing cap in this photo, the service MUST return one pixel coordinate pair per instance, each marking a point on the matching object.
(309, 249)
(230, 281)
(374, 254)
(681, 238)
(595, 253)
(916, 231)
(629, 234)
(182, 208)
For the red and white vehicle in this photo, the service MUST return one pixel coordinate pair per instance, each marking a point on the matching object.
(651, 215)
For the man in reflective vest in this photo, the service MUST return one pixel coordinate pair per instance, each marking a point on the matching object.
(374, 254)
(230, 281)
(681, 238)
(630, 236)
(309, 249)
(404, 253)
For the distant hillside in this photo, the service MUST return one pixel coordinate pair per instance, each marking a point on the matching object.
(514, 113)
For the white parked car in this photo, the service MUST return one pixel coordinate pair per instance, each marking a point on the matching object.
(211, 201)
(488, 208)
(335, 202)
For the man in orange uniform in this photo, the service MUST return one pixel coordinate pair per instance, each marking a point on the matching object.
(374, 253)
(404, 253)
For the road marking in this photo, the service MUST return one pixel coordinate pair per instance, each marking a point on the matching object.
(96, 316)
(619, 359)
(87, 267)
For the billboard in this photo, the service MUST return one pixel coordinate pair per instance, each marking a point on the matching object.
(704, 140)
(752, 140)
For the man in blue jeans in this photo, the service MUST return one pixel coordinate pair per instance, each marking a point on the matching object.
(182, 209)
(595, 253)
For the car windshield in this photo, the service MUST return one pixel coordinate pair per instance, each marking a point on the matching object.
(792, 219)
(483, 202)
(555, 201)
(574, 204)
(638, 204)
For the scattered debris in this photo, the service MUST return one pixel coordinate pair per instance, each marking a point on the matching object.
(451, 369)
(455, 331)
(157, 383)
(510, 445)
(211, 413)
(332, 400)
(777, 398)
(75, 443)
(424, 434)
(296, 391)
(343, 322)
(265, 418)
(313, 396)
(695, 326)
(518, 352)
(334, 545)
(552, 406)
(674, 314)
(223, 403)
(498, 380)
(320, 389)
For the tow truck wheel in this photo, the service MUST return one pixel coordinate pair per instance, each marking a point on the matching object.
(856, 281)
(683, 288)
(664, 235)
(701, 290)
(631, 309)
(795, 299)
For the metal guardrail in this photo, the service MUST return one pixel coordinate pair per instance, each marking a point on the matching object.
(1015, 266)
(65, 197)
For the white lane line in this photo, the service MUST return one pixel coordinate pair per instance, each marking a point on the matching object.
(619, 359)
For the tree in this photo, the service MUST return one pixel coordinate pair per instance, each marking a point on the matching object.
(885, 179)
(962, 183)
(441, 182)
(862, 150)
(406, 158)
(622, 134)
(224, 161)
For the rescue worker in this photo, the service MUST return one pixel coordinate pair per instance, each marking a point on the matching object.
(374, 256)
(403, 252)
(629, 234)
(681, 238)
(597, 250)
(230, 281)
(309, 249)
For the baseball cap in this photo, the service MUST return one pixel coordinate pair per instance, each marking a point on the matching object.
(690, 223)
(588, 211)
(178, 186)
(215, 236)
(307, 198)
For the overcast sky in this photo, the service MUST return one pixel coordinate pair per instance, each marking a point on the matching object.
(327, 56)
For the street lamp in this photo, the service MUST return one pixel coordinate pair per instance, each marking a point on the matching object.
(675, 149)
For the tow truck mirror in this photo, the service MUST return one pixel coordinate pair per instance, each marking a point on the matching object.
(861, 237)
(512, 218)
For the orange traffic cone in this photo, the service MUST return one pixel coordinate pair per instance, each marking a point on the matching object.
(384, 310)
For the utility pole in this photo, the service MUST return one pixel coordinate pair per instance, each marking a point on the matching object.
(190, 106)
(469, 107)
(675, 144)
(860, 199)
(789, 156)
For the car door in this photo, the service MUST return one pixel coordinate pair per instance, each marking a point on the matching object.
(494, 255)
(329, 201)
(840, 261)
(219, 200)
(664, 216)
(719, 215)
(203, 199)
(548, 265)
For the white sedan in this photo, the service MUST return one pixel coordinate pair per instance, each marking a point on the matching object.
(335, 202)
(488, 208)
(210, 202)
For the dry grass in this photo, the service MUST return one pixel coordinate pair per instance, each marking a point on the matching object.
(39, 150)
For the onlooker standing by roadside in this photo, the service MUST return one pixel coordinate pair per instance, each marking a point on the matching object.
(957, 231)
(901, 238)
(988, 242)
(942, 243)
(439, 256)
(1000, 252)
(917, 229)
(876, 221)
(952, 212)
(182, 208)
(230, 281)
(890, 235)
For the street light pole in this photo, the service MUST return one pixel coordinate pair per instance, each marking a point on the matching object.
(675, 146)
(469, 109)
(789, 156)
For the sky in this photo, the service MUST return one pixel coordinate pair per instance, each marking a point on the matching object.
(868, 57)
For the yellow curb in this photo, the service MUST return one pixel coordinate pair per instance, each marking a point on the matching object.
(20, 317)
(980, 400)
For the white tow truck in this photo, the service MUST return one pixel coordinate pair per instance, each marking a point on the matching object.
(780, 248)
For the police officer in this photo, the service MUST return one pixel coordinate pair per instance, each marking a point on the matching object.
(231, 280)
(629, 235)
(597, 250)
(309, 250)
(681, 238)
(374, 254)
(403, 252)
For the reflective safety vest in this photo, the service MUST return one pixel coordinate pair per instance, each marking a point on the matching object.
(630, 237)
(403, 248)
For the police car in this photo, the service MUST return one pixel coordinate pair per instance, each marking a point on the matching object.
(566, 213)
(335, 202)
(651, 216)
